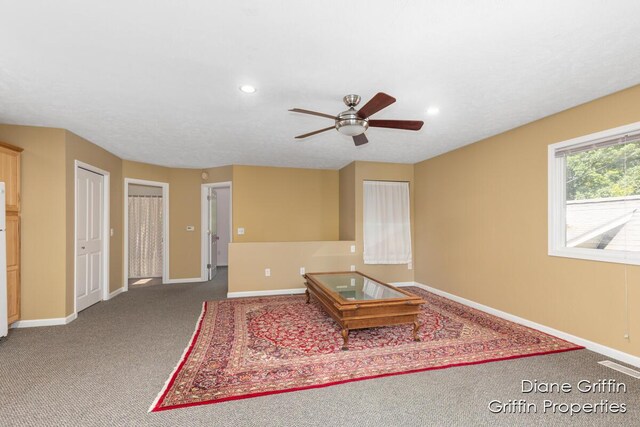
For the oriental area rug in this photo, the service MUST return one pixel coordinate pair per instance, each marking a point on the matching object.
(250, 347)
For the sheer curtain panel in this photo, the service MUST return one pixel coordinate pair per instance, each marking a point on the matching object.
(387, 223)
(145, 236)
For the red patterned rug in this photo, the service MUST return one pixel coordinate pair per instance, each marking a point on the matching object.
(249, 347)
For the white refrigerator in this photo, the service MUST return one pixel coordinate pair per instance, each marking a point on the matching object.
(3, 265)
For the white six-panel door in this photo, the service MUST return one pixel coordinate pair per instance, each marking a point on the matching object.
(89, 235)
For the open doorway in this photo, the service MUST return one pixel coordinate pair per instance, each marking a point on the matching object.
(216, 227)
(146, 217)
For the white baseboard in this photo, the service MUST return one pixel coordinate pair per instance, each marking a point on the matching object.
(590, 345)
(44, 322)
(189, 280)
(115, 293)
(265, 293)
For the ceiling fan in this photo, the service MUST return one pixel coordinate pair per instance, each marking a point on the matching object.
(355, 123)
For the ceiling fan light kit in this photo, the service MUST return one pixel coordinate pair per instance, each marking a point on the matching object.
(348, 122)
(354, 122)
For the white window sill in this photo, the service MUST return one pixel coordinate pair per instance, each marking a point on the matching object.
(597, 255)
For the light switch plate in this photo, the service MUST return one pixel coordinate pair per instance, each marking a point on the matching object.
(353, 268)
(240, 231)
(302, 271)
(267, 272)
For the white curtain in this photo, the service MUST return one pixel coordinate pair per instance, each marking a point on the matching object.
(387, 223)
(145, 236)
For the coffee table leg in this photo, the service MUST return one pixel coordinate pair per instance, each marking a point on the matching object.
(345, 338)
(416, 326)
(306, 291)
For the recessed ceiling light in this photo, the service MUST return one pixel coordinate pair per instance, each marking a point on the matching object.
(432, 111)
(247, 89)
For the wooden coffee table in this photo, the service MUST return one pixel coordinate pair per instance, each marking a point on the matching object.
(357, 301)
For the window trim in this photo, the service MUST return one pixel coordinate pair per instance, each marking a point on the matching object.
(557, 201)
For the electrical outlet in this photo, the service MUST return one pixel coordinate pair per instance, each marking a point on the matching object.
(240, 231)
(353, 268)
(267, 272)
(111, 232)
(302, 271)
(353, 249)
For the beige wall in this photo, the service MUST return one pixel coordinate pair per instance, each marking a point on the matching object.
(78, 148)
(273, 204)
(43, 227)
(184, 210)
(285, 204)
(347, 176)
(219, 174)
(247, 261)
(284, 259)
(482, 230)
(48, 191)
(144, 171)
(382, 172)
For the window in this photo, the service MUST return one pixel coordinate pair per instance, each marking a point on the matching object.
(594, 196)
(386, 223)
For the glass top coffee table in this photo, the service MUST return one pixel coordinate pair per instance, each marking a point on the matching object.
(357, 301)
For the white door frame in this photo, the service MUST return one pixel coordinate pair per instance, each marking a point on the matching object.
(106, 235)
(165, 226)
(204, 224)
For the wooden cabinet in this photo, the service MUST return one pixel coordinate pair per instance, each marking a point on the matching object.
(13, 266)
(10, 175)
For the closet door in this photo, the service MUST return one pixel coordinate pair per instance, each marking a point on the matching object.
(89, 235)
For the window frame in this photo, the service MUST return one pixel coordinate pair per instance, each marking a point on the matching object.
(557, 201)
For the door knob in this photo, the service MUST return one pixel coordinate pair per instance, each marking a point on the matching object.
(83, 247)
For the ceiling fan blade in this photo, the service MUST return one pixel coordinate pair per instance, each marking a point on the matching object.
(397, 124)
(313, 113)
(315, 132)
(360, 139)
(378, 102)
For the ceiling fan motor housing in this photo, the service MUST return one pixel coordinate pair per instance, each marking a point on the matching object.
(349, 123)
(351, 100)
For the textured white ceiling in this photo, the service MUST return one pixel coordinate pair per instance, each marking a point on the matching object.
(157, 81)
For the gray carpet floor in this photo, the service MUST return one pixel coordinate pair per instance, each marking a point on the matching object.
(106, 368)
(144, 282)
